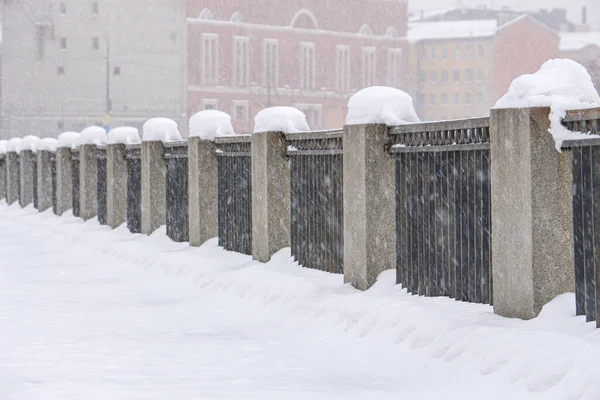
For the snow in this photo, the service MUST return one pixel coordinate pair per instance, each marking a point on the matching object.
(381, 105)
(209, 124)
(124, 135)
(3, 146)
(13, 145)
(30, 143)
(93, 313)
(69, 139)
(451, 29)
(49, 144)
(161, 129)
(574, 41)
(93, 135)
(280, 119)
(561, 84)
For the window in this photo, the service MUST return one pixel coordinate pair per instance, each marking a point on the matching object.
(422, 77)
(432, 99)
(369, 65)
(63, 43)
(241, 60)
(444, 99)
(480, 75)
(210, 59)
(421, 98)
(209, 104)
(63, 9)
(467, 98)
(270, 63)
(313, 114)
(342, 68)
(117, 71)
(422, 55)
(480, 98)
(40, 38)
(481, 51)
(456, 98)
(394, 68)
(307, 66)
(60, 70)
(240, 110)
(433, 53)
(60, 125)
(457, 53)
(444, 76)
(432, 77)
(469, 75)
(456, 76)
(445, 53)
(469, 52)
(95, 8)
(95, 43)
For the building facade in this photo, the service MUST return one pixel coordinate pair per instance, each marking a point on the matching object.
(243, 57)
(68, 64)
(583, 47)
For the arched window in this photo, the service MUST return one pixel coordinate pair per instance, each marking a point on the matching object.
(206, 14)
(365, 30)
(305, 19)
(391, 32)
(237, 17)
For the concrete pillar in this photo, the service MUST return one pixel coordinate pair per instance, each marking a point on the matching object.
(26, 187)
(88, 181)
(64, 180)
(532, 244)
(12, 177)
(203, 191)
(270, 195)
(44, 176)
(116, 185)
(154, 173)
(2, 176)
(369, 205)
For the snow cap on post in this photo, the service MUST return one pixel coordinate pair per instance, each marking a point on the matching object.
(93, 135)
(209, 124)
(3, 145)
(69, 140)
(126, 135)
(560, 84)
(14, 145)
(31, 143)
(161, 129)
(49, 144)
(381, 105)
(280, 119)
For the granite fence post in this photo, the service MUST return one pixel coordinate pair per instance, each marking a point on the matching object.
(44, 177)
(2, 176)
(88, 181)
(369, 205)
(270, 195)
(203, 191)
(12, 177)
(532, 244)
(116, 185)
(26, 176)
(64, 180)
(154, 172)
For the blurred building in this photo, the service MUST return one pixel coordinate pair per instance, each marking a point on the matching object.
(244, 56)
(460, 68)
(583, 47)
(71, 63)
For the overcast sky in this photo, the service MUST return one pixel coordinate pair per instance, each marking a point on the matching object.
(574, 6)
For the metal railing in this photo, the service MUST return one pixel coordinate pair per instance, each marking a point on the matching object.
(443, 212)
(586, 208)
(316, 182)
(177, 215)
(101, 184)
(134, 188)
(235, 193)
(75, 167)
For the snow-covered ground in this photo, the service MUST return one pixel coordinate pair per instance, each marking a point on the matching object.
(90, 313)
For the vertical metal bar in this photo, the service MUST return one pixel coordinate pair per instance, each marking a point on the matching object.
(221, 221)
(471, 227)
(400, 279)
(414, 231)
(478, 177)
(419, 222)
(464, 240)
(486, 219)
(451, 221)
(588, 232)
(439, 226)
(293, 208)
(596, 232)
(432, 234)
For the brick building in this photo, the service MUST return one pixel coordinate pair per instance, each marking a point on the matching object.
(459, 69)
(245, 56)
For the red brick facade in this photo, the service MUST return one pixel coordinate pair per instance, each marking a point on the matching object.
(316, 53)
